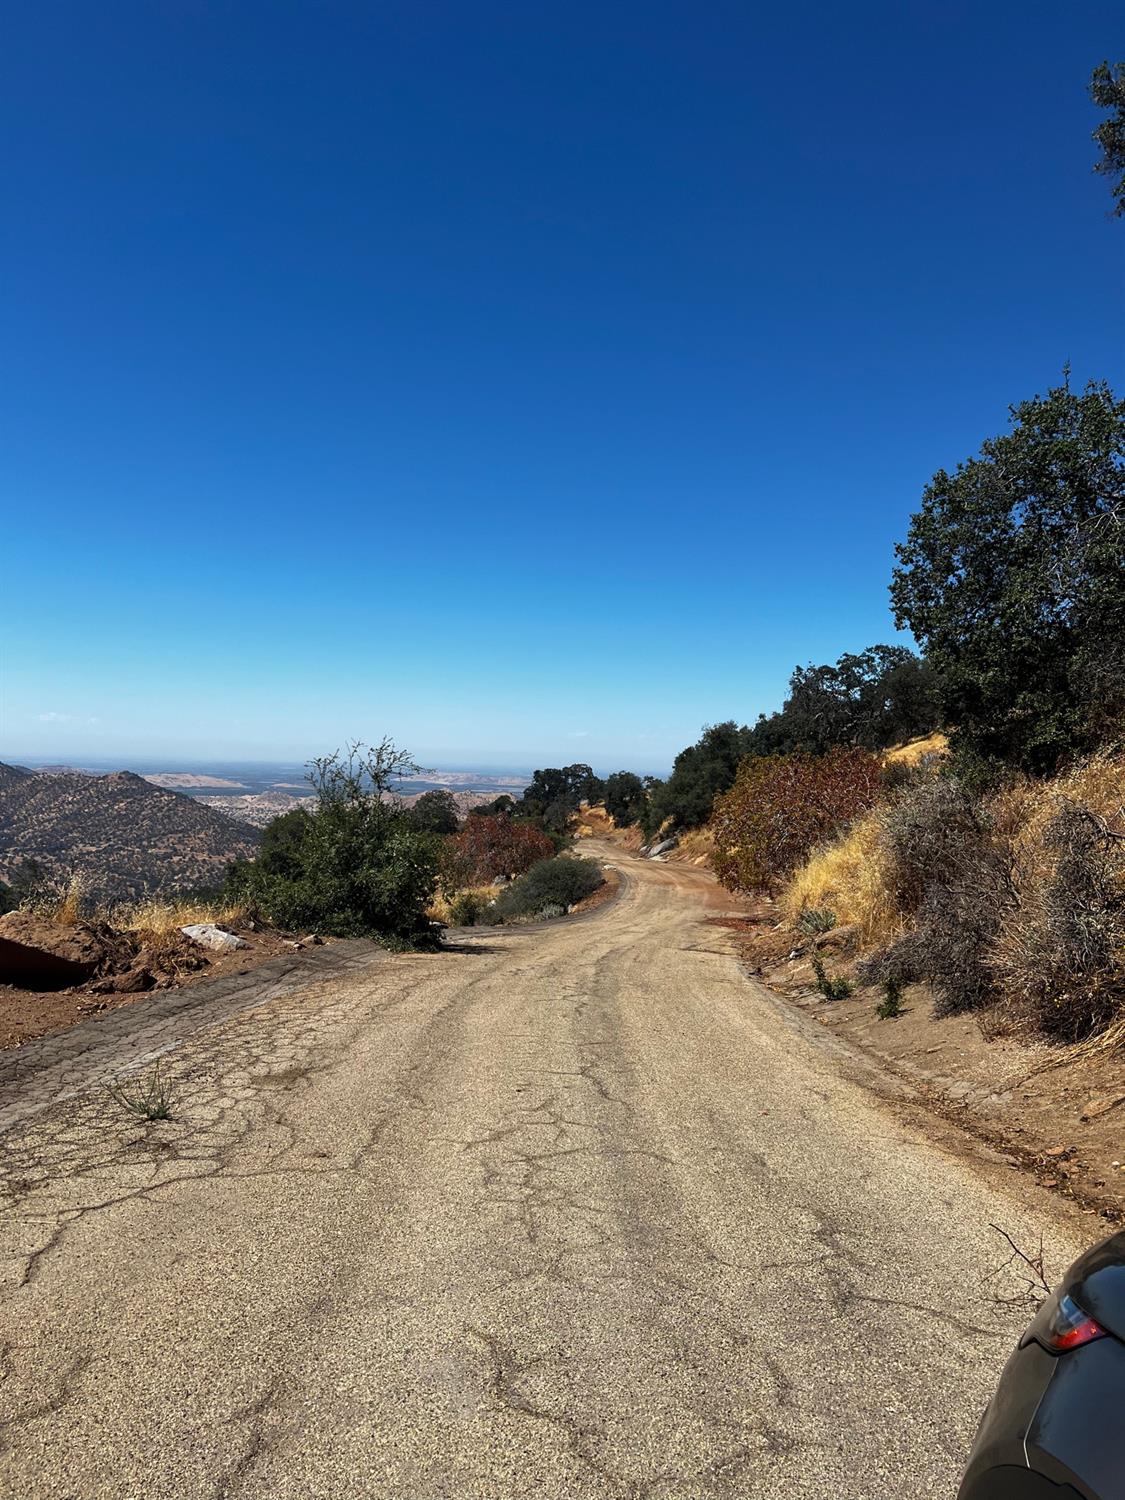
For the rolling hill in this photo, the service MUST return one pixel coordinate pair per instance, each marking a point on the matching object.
(125, 836)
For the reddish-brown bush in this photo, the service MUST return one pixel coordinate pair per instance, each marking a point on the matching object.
(487, 847)
(782, 806)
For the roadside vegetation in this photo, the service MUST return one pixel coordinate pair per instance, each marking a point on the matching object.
(357, 862)
(955, 817)
(549, 889)
(357, 865)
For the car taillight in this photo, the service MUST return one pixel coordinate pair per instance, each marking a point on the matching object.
(1061, 1325)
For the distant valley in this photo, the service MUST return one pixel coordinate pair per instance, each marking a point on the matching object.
(256, 795)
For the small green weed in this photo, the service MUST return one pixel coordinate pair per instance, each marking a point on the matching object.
(890, 1007)
(149, 1097)
(831, 989)
(816, 919)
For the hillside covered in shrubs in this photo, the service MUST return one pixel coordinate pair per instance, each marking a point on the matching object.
(989, 862)
(119, 835)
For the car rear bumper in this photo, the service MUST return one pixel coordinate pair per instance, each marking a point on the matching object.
(1055, 1429)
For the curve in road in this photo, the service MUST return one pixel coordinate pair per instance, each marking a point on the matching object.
(579, 1211)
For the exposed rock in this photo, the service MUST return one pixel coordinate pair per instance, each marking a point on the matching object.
(662, 848)
(845, 938)
(42, 955)
(1090, 1110)
(134, 981)
(207, 935)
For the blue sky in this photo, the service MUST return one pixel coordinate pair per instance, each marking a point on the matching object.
(531, 383)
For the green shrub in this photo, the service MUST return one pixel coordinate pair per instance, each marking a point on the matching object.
(466, 908)
(831, 989)
(549, 888)
(890, 1007)
(356, 867)
(816, 919)
(283, 843)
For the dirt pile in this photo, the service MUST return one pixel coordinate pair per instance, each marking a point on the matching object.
(37, 953)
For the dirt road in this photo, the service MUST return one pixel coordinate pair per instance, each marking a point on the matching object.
(575, 1211)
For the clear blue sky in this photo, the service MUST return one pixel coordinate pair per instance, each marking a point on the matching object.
(533, 383)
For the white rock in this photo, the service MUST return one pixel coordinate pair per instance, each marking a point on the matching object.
(207, 935)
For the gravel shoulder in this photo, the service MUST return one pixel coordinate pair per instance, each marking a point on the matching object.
(1055, 1113)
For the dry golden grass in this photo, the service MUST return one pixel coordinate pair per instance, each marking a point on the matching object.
(153, 918)
(1097, 784)
(159, 917)
(596, 823)
(695, 847)
(1023, 811)
(915, 750)
(70, 907)
(441, 908)
(848, 877)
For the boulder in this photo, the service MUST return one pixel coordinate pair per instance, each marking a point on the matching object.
(134, 981)
(207, 935)
(662, 848)
(41, 955)
(844, 939)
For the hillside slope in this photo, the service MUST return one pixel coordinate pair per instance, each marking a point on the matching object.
(125, 836)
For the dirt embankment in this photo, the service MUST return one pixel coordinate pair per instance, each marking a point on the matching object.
(1057, 1112)
(125, 967)
(692, 848)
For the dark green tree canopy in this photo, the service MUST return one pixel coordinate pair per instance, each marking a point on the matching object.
(555, 793)
(625, 798)
(501, 806)
(1012, 577)
(1107, 89)
(436, 812)
(869, 699)
(700, 773)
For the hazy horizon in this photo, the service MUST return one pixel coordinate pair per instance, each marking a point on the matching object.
(148, 763)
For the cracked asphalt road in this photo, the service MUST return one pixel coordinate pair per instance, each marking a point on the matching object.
(575, 1211)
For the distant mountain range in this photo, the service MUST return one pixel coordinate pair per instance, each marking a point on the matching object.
(124, 835)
